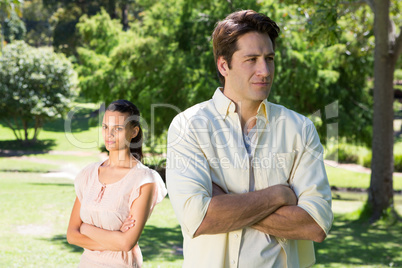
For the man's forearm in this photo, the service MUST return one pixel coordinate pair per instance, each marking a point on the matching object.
(291, 222)
(229, 212)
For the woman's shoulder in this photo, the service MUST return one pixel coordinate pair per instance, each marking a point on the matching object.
(88, 171)
(144, 175)
(142, 170)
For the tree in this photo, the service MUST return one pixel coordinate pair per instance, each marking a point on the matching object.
(37, 22)
(14, 28)
(68, 12)
(166, 58)
(388, 47)
(36, 85)
(7, 7)
(315, 71)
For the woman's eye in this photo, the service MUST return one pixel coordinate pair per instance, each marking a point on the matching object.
(104, 127)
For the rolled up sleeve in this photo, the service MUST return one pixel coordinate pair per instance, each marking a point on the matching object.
(187, 176)
(310, 181)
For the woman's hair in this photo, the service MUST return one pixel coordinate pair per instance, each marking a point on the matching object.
(229, 30)
(124, 106)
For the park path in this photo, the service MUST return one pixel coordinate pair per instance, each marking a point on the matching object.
(66, 170)
(353, 167)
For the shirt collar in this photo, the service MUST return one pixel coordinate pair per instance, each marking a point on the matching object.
(222, 103)
(263, 110)
(225, 106)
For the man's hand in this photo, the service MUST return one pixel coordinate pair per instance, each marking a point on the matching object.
(127, 224)
(290, 198)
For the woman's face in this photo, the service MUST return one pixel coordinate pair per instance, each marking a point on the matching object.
(117, 132)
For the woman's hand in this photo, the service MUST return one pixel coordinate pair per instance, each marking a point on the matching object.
(127, 224)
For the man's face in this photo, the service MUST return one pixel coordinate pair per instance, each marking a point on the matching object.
(252, 69)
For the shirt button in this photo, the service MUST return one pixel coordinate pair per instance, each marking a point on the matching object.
(233, 261)
(236, 235)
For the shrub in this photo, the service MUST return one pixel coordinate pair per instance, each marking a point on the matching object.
(346, 155)
(367, 160)
(36, 85)
(398, 163)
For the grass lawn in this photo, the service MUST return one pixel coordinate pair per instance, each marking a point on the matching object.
(20, 165)
(35, 209)
(354, 244)
(35, 213)
(346, 178)
(82, 134)
(34, 218)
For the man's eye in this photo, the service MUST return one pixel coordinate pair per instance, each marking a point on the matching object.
(252, 59)
(270, 59)
(104, 127)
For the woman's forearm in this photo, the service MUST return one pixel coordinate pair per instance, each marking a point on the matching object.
(111, 240)
(74, 237)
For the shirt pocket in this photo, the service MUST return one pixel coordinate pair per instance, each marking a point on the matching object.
(278, 172)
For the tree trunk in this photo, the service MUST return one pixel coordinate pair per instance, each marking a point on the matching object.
(382, 164)
(15, 130)
(25, 125)
(124, 16)
(111, 9)
(38, 126)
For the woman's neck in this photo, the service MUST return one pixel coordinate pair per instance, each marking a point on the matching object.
(120, 158)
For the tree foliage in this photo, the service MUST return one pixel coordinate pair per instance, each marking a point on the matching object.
(8, 8)
(37, 18)
(313, 71)
(14, 28)
(384, 19)
(166, 58)
(36, 85)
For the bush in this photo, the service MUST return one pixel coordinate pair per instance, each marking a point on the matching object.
(367, 160)
(346, 155)
(36, 85)
(398, 163)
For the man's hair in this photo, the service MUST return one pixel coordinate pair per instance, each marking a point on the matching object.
(236, 24)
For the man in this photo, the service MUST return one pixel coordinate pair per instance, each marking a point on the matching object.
(246, 177)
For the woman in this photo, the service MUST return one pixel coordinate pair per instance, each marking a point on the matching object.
(115, 197)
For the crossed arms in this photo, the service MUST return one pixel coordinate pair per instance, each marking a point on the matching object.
(300, 213)
(272, 210)
(94, 238)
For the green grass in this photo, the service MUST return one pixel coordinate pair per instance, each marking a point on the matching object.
(7, 164)
(35, 213)
(34, 218)
(355, 244)
(346, 178)
(36, 209)
(84, 134)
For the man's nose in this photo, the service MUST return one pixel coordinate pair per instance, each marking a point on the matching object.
(263, 69)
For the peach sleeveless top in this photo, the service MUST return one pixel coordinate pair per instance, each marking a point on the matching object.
(107, 206)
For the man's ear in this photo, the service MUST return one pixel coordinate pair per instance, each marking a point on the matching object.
(222, 65)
